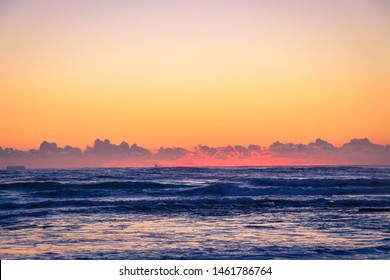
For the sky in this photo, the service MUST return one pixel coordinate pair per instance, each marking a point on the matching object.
(185, 73)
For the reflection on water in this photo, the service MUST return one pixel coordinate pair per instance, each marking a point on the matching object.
(196, 213)
(264, 235)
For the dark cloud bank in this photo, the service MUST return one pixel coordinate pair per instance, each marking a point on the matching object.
(106, 154)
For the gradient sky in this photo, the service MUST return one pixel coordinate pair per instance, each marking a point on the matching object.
(182, 73)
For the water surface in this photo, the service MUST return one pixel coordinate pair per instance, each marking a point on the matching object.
(196, 213)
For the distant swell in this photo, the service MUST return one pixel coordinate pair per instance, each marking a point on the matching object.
(234, 190)
(258, 187)
(321, 182)
(111, 185)
(195, 206)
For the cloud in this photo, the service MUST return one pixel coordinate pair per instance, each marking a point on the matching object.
(10, 153)
(170, 153)
(71, 151)
(288, 148)
(123, 150)
(47, 149)
(139, 152)
(363, 151)
(103, 153)
(364, 144)
(321, 146)
(206, 150)
(227, 152)
(254, 149)
(355, 152)
(101, 148)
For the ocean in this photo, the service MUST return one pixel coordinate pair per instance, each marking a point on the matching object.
(196, 213)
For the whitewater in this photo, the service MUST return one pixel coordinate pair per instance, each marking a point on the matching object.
(196, 213)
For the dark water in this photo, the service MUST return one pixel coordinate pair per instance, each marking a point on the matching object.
(196, 213)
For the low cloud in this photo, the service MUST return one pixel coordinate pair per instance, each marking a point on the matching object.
(355, 152)
(104, 149)
(103, 153)
(317, 147)
(47, 149)
(228, 152)
(170, 154)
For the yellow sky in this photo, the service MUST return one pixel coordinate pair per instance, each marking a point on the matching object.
(182, 73)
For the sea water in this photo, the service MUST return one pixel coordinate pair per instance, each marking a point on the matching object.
(196, 213)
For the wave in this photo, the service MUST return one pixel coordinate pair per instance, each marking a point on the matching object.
(372, 182)
(259, 187)
(99, 185)
(198, 205)
(227, 189)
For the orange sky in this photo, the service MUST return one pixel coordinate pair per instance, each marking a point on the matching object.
(182, 73)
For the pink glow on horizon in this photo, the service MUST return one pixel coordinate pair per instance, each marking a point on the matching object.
(106, 154)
